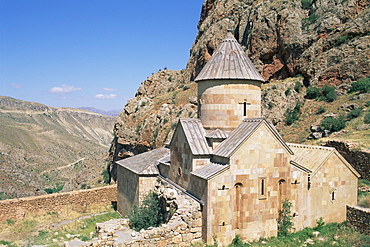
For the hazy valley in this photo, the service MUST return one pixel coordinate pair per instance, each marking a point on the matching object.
(43, 147)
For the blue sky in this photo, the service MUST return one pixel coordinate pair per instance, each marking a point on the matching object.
(95, 53)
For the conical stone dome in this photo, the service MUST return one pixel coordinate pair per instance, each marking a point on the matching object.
(229, 61)
(229, 88)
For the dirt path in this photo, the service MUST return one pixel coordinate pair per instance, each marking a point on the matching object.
(56, 226)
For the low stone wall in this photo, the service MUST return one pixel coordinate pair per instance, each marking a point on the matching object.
(359, 217)
(36, 205)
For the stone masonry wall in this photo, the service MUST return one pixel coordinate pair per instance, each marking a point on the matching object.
(27, 206)
(359, 218)
(183, 229)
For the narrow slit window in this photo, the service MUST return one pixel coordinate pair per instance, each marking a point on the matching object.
(333, 195)
(262, 188)
(245, 109)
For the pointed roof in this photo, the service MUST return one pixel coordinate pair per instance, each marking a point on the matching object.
(195, 135)
(229, 61)
(144, 163)
(312, 158)
(217, 134)
(243, 132)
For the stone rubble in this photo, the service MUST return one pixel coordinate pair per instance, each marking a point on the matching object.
(183, 229)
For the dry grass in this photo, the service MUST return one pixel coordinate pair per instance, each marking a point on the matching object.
(34, 227)
(300, 130)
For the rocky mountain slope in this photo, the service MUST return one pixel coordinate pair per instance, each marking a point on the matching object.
(43, 147)
(305, 42)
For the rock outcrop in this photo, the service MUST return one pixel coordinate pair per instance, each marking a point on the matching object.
(326, 41)
(310, 42)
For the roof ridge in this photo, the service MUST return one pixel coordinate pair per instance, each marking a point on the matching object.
(297, 145)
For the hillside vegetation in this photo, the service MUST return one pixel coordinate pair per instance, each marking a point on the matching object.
(53, 149)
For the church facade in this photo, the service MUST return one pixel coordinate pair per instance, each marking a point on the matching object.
(236, 163)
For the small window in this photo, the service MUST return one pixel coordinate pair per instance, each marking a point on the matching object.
(179, 171)
(262, 188)
(333, 195)
(245, 109)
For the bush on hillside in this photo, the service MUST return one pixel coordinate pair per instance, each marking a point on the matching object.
(333, 124)
(297, 86)
(293, 115)
(354, 113)
(362, 86)
(367, 118)
(312, 92)
(326, 93)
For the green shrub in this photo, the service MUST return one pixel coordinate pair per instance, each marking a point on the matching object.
(362, 86)
(309, 20)
(331, 96)
(329, 93)
(297, 86)
(333, 124)
(312, 92)
(285, 223)
(106, 173)
(342, 39)
(306, 4)
(147, 214)
(319, 224)
(367, 118)
(58, 187)
(288, 91)
(293, 115)
(237, 242)
(320, 110)
(326, 93)
(354, 113)
(185, 87)
(10, 222)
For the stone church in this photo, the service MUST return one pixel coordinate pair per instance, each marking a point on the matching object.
(236, 164)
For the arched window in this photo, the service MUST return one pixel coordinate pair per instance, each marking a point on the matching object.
(282, 192)
(237, 208)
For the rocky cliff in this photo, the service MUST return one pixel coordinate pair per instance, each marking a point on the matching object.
(305, 42)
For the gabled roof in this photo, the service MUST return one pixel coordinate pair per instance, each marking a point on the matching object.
(195, 135)
(312, 158)
(217, 134)
(229, 61)
(209, 171)
(243, 132)
(144, 163)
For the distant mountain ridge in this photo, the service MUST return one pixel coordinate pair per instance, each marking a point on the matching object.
(43, 147)
(112, 113)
